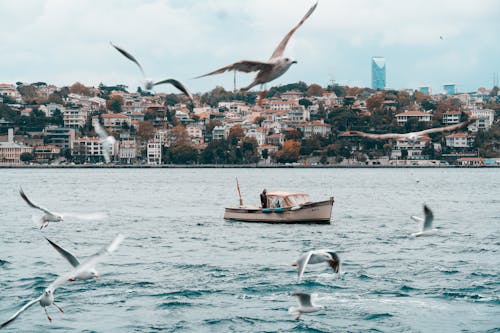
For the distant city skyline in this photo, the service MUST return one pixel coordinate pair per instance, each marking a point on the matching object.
(61, 42)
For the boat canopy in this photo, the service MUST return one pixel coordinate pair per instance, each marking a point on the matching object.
(286, 199)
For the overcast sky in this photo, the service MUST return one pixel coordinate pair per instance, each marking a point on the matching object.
(64, 41)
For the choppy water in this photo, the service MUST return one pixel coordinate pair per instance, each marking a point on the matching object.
(183, 268)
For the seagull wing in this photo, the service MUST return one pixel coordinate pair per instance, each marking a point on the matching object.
(282, 45)
(100, 131)
(378, 136)
(68, 256)
(335, 263)
(450, 128)
(25, 307)
(304, 299)
(417, 219)
(32, 205)
(91, 261)
(128, 56)
(302, 264)
(245, 66)
(178, 85)
(429, 216)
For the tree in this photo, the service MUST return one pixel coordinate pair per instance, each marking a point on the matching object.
(289, 153)
(305, 102)
(115, 103)
(80, 89)
(315, 90)
(146, 130)
(236, 133)
(404, 154)
(211, 125)
(374, 102)
(259, 120)
(26, 157)
(180, 137)
(55, 98)
(265, 154)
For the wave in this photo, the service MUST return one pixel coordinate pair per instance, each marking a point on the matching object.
(377, 316)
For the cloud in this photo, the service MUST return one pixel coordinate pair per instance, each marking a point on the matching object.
(63, 41)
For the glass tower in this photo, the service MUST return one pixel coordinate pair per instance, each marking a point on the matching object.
(378, 73)
(450, 89)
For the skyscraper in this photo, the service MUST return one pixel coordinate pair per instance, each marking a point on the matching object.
(450, 89)
(378, 73)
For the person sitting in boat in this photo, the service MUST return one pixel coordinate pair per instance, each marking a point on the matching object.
(263, 198)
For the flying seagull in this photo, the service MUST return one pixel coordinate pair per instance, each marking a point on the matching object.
(148, 83)
(86, 269)
(414, 136)
(305, 305)
(269, 70)
(48, 217)
(425, 223)
(46, 299)
(81, 270)
(107, 141)
(317, 257)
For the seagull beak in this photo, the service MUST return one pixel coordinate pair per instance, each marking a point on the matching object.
(294, 264)
(294, 62)
(96, 276)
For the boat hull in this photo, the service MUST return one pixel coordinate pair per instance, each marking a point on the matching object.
(314, 212)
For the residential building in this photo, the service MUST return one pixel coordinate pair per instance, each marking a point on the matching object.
(485, 118)
(90, 149)
(74, 117)
(402, 118)
(128, 151)
(413, 148)
(259, 134)
(451, 117)
(378, 73)
(459, 140)
(276, 139)
(314, 127)
(60, 136)
(220, 132)
(46, 153)
(114, 122)
(154, 152)
(10, 151)
(471, 161)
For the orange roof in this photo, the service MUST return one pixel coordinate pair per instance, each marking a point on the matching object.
(459, 135)
(413, 113)
(114, 115)
(452, 112)
(480, 159)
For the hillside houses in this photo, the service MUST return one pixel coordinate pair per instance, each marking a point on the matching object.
(233, 131)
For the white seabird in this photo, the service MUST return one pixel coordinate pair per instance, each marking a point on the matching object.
(269, 70)
(316, 257)
(425, 224)
(45, 219)
(413, 136)
(305, 305)
(107, 141)
(86, 269)
(81, 270)
(56, 217)
(148, 83)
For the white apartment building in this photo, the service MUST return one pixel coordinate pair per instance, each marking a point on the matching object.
(451, 117)
(154, 152)
(485, 118)
(459, 140)
(402, 118)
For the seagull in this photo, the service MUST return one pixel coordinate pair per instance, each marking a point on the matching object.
(87, 269)
(426, 224)
(269, 70)
(47, 297)
(316, 257)
(148, 83)
(413, 136)
(305, 305)
(48, 217)
(107, 141)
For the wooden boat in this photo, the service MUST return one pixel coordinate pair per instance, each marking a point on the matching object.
(283, 207)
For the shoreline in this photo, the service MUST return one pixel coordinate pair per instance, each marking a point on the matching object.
(243, 166)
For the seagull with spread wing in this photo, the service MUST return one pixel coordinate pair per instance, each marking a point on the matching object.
(148, 83)
(269, 70)
(87, 267)
(317, 257)
(413, 136)
(47, 217)
(80, 271)
(107, 141)
(425, 223)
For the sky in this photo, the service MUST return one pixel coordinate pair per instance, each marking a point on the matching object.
(62, 42)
